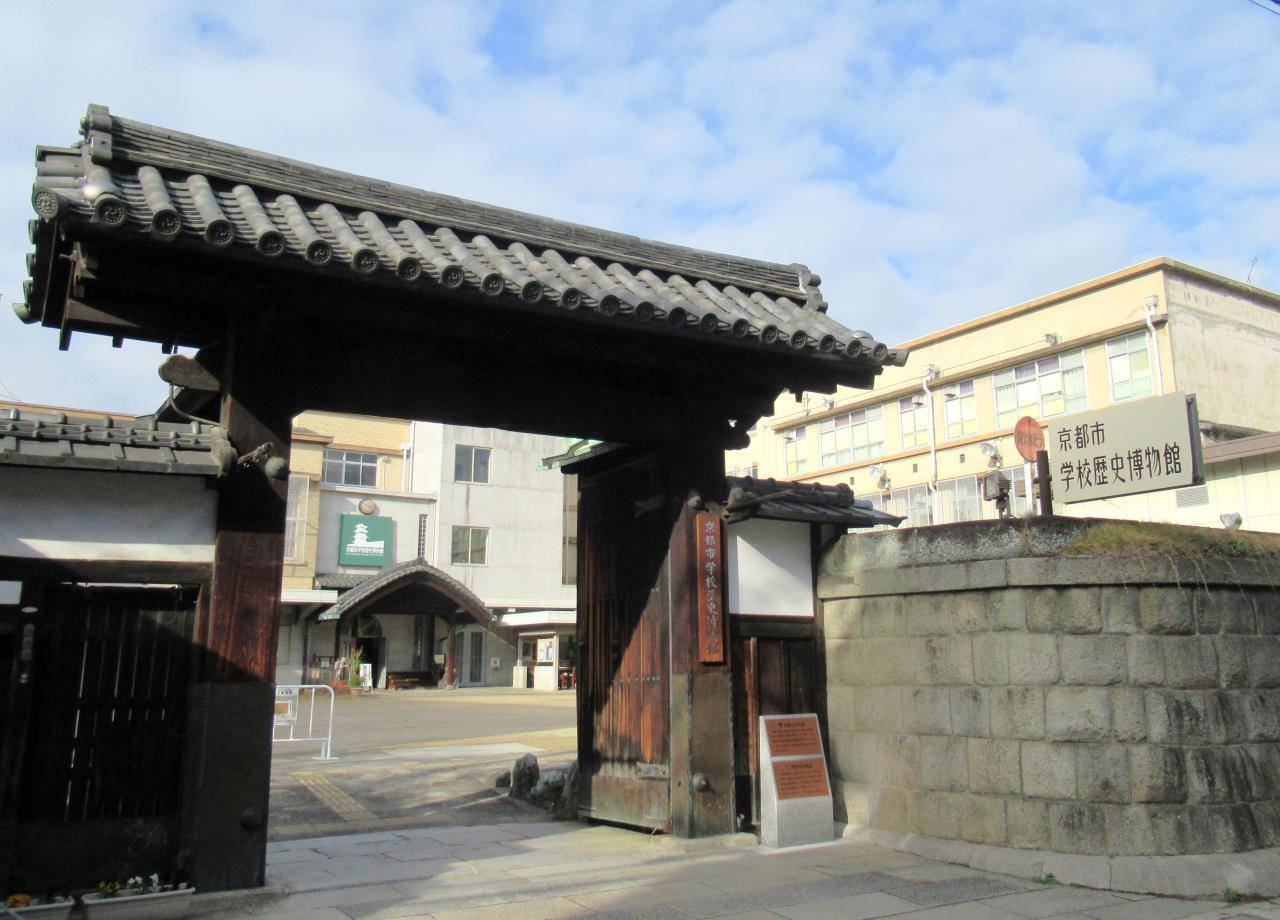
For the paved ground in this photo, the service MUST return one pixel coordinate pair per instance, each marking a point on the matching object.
(420, 758)
(416, 769)
(539, 871)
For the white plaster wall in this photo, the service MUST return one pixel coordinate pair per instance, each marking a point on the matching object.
(769, 568)
(401, 508)
(289, 650)
(82, 514)
(521, 505)
(1250, 487)
(1226, 350)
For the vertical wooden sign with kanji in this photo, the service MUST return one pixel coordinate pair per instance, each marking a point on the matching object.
(710, 597)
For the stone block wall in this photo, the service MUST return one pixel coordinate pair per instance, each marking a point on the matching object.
(1017, 698)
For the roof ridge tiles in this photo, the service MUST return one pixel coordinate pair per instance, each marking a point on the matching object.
(143, 144)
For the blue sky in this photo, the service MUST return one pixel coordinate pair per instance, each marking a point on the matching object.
(931, 160)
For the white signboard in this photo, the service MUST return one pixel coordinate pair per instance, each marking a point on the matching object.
(1142, 446)
(795, 790)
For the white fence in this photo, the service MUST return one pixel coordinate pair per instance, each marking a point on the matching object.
(296, 717)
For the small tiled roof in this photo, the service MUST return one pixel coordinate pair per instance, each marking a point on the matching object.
(813, 503)
(339, 580)
(129, 177)
(102, 443)
(410, 571)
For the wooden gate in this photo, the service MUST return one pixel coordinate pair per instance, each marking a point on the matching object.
(108, 688)
(776, 671)
(624, 749)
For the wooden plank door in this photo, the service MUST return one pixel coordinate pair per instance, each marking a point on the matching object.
(775, 672)
(625, 521)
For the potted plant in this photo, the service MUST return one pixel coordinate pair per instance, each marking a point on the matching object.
(20, 904)
(138, 899)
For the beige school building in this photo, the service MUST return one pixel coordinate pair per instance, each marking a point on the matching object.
(918, 444)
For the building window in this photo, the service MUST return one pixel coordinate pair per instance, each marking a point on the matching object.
(470, 545)
(793, 450)
(961, 410)
(913, 421)
(295, 518)
(851, 437)
(350, 468)
(751, 470)
(423, 534)
(1041, 389)
(1130, 367)
(470, 464)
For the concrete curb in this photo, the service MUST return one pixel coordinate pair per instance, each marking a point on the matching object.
(1256, 872)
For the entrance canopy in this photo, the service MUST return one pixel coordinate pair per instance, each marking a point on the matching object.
(382, 297)
(404, 576)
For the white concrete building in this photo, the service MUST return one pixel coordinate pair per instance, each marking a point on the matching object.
(471, 542)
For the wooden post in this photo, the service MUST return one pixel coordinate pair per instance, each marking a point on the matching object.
(1044, 479)
(227, 768)
(429, 650)
(450, 674)
(702, 779)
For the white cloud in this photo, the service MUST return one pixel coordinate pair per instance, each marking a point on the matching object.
(931, 160)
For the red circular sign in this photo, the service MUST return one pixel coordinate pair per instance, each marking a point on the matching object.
(1028, 438)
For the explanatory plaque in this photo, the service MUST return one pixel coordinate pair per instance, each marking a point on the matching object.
(795, 791)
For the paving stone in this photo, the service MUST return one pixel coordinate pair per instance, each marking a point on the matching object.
(1055, 900)
(1153, 909)
(789, 895)
(952, 891)
(854, 907)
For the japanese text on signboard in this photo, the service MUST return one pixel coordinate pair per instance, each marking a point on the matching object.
(1123, 450)
(710, 605)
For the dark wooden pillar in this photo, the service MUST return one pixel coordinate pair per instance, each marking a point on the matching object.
(450, 665)
(702, 775)
(429, 647)
(227, 771)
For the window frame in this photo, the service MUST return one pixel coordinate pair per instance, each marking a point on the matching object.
(958, 401)
(924, 409)
(1037, 373)
(488, 465)
(830, 430)
(471, 530)
(791, 453)
(346, 462)
(1111, 379)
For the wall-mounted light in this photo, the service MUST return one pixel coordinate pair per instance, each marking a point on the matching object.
(991, 451)
(1232, 520)
(1051, 338)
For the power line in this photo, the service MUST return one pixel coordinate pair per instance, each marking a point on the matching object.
(1271, 6)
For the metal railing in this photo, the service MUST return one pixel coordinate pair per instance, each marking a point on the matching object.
(291, 702)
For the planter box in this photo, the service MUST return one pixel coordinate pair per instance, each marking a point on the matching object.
(56, 911)
(163, 905)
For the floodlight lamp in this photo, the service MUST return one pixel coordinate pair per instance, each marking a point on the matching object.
(1051, 338)
(988, 449)
(932, 372)
(1231, 520)
(875, 471)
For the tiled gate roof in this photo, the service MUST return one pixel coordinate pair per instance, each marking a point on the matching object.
(126, 177)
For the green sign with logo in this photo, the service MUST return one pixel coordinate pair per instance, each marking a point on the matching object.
(364, 539)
